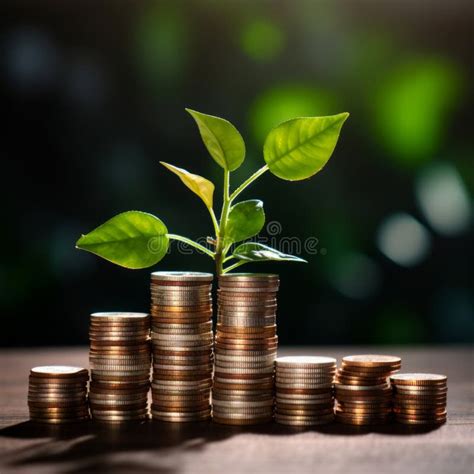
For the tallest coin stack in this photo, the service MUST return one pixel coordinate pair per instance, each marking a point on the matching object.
(181, 309)
(246, 348)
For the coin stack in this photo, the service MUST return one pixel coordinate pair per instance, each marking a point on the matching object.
(119, 359)
(363, 391)
(245, 348)
(182, 338)
(58, 394)
(419, 399)
(304, 390)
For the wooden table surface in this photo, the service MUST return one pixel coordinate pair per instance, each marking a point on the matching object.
(211, 448)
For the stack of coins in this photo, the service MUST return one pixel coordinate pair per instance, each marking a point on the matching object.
(304, 390)
(119, 359)
(58, 394)
(246, 347)
(363, 391)
(182, 338)
(419, 399)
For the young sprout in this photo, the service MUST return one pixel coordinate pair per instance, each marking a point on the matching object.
(294, 150)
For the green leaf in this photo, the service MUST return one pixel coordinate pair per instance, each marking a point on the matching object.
(197, 184)
(132, 239)
(254, 252)
(300, 147)
(222, 140)
(246, 219)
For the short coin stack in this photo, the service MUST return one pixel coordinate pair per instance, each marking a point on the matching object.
(181, 308)
(419, 399)
(246, 347)
(119, 359)
(304, 390)
(363, 392)
(58, 394)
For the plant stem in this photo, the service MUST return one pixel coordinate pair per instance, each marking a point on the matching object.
(220, 247)
(192, 244)
(235, 265)
(248, 181)
(214, 220)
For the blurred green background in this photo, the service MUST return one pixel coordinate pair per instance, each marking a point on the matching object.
(93, 96)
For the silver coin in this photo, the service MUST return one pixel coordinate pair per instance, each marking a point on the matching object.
(119, 316)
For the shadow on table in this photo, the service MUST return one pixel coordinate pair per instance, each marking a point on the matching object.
(91, 447)
(146, 447)
(339, 429)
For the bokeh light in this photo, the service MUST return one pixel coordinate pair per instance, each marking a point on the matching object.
(92, 106)
(262, 39)
(412, 108)
(282, 102)
(31, 59)
(403, 239)
(161, 45)
(355, 276)
(444, 199)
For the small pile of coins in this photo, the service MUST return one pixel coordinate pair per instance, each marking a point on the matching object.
(182, 338)
(419, 399)
(363, 391)
(304, 390)
(245, 347)
(119, 360)
(58, 394)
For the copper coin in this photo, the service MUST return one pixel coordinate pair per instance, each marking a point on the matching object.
(232, 385)
(371, 360)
